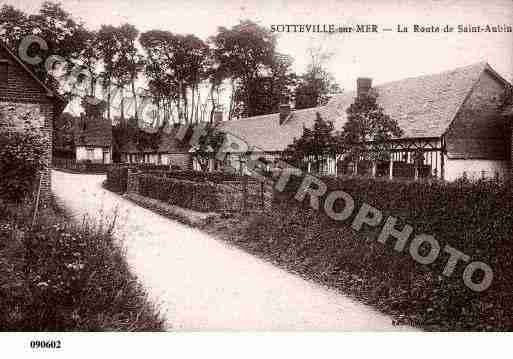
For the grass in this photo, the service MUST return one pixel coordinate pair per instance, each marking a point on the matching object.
(58, 276)
(364, 269)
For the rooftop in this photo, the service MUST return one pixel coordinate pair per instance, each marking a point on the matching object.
(423, 106)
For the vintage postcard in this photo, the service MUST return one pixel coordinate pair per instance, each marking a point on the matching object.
(250, 166)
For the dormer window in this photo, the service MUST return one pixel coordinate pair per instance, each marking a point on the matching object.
(4, 72)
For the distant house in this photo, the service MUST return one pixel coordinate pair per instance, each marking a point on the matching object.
(170, 151)
(23, 96)
(451, 122)
(93, 140)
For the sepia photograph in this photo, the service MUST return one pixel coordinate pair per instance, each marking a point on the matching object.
(274, 168)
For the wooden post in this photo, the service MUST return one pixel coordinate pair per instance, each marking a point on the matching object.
(36, 207)
(391, 168)
(442, 165)
(244, 194)
(374, 168)
(262, 195)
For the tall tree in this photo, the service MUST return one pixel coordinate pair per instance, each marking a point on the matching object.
(128, 64)
(107, 49)
(368, 130)
(61, 32)
(314, 146)
(177, 65)
(264, 94)
(317, 84)
(14, 25)
(244, 54)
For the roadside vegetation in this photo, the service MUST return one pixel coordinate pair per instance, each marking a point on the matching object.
(56, 275)
(475, 218)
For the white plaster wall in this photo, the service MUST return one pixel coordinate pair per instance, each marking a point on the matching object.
(108, 157)
(82, 155)
(154, 158)
(455, 169)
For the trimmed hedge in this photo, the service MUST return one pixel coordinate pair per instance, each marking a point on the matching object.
(199, 176)
(117, 177)
(475, 218)
(200, 197)
(145, 167)
(90, 167)
(471, 216)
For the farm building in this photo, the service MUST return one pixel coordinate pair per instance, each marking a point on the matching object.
(23, 97)
(451, 121)
(170, 151)
(93, 140)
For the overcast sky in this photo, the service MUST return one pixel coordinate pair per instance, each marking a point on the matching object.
(383, 56)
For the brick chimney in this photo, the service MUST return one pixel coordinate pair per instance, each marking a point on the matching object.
(218, 116)
(284, 112)
(363, 85)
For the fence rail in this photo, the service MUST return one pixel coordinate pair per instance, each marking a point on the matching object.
(85, 167)
(65, 163)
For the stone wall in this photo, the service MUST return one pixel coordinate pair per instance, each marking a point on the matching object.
(23, 96)
(16, 115)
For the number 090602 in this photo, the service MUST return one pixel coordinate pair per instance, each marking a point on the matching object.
(45, 344)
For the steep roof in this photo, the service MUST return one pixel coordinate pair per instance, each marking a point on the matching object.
(97, 133)
(266, 133)
(169, 143)
(49, 92)
(423, 106)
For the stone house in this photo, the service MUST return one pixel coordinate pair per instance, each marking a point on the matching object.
(452, 125)
(24, 96)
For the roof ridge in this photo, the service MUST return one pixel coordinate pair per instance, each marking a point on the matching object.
(482, 64)
(467, 95)
(50, 92)
(276, 113)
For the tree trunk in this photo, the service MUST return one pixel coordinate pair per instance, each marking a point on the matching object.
(122, 104)
(136, 113)
(108, 101)
(230, 111)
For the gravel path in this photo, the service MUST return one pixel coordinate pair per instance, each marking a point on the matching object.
(204, 284)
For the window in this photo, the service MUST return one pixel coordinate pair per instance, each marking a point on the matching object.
(90, 154)
(4, 72)
(106, 155)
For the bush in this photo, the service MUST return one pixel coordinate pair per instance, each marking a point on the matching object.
(96, 167)
(199, 176)
(151, 167)
(117, 176)
(58, 277)
(475, 218)
(187, 194)
(22, 155)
